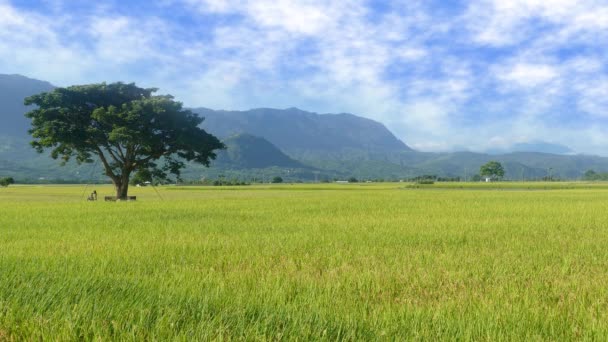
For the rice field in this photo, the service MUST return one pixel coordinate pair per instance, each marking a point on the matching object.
(512, 261)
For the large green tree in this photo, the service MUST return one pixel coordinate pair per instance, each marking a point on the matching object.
(126, 127)
(492, 169)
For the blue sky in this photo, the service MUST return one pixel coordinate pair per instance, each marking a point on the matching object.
(441, 75)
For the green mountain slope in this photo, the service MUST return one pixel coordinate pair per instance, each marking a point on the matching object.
(245, 151)
(299, 133)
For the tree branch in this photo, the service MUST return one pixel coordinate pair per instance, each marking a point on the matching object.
(120, 153)
(113, 155)
(142, 161)
(106, 165)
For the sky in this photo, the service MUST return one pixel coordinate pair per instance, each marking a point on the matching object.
(441, 75)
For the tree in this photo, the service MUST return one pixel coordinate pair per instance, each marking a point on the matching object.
(126, 127)
(492, 169)
(141, 177)
(4, 182)
(590, 175)
(277, 179)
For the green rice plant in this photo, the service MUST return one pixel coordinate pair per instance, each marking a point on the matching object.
(306, 262)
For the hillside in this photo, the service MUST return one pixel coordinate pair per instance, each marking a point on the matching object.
(265, 142)
(245, 151)
(13, 90)
(299, 133)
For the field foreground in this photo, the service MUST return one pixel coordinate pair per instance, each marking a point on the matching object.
(346, 262)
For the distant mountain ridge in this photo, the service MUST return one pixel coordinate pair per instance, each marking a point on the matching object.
(533, 146)
(290, 143)
(299, 132)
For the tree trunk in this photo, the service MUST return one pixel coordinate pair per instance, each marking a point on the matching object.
(122, 189)
(121, 184)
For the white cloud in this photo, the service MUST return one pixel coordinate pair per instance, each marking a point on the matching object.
(426, 114)
(291, 16)
(498, 69)
(221, 6)
(118, 40)
(29, 43)
(593, 98)
(351, 56)
(529, 75)
(300, 17)
(500, 22)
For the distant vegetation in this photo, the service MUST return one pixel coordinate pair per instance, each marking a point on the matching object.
(493, 170)
(591, 175)
(6, 181)
(430, 179)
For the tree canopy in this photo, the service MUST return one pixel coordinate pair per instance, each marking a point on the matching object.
(126, 127)
(492, 169)
(6, 181)
(591, 175)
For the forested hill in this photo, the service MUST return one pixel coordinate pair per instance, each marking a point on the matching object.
(337, 145)
(245, 151)
(296, 131)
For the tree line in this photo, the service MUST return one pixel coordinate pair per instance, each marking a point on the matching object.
(591, 175)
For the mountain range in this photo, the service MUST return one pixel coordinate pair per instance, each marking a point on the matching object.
(292, 143)
(533, 146)
(300, 133)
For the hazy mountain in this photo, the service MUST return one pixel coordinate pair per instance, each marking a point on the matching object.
(565, 166)
(291, 143)
(534, 146)
(542, 147)
(245, 151)
(467, 164)
(518, 165)
(299, 133)
(13, 90)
